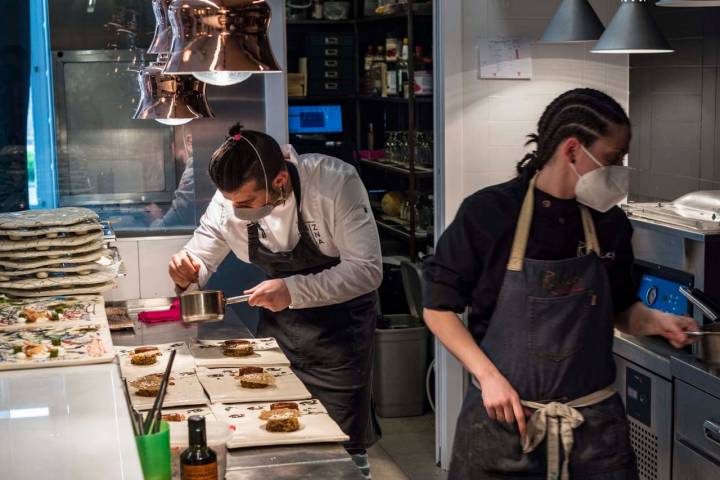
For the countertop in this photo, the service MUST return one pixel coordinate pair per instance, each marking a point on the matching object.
(66, 423)
(319, 461)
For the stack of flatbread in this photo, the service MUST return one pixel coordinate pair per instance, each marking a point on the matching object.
(54, 252)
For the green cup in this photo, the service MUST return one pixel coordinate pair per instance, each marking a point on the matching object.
(154, 451)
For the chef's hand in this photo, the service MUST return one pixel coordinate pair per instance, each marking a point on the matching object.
(501, 400)
(673, 328)
(183, 269)
(271, 294)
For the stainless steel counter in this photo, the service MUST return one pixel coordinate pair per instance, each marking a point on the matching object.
(309, 461)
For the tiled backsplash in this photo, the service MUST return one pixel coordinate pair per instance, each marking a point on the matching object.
(498, 114)
(675, 103)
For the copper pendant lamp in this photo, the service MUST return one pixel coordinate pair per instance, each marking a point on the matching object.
(170, 99)
(162, 41)
(220, 41)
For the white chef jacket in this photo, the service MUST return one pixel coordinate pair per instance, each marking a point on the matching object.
(336, 211)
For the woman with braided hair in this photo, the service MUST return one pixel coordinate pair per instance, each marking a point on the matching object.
(544, 264)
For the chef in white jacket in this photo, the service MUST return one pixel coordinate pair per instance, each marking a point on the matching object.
(306, 222)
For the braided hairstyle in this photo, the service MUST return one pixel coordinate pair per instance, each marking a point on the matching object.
(235, 161)
(584, 113)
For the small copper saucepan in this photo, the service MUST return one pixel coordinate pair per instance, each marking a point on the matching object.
(206, 305)
(707, 347)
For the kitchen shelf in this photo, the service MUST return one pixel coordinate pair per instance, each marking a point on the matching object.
(322, 98)
(371, 98)
(397, 228)
(420, 172)
(309, 21)
(394, 16)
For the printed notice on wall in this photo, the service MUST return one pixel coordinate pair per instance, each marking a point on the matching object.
(504, 58)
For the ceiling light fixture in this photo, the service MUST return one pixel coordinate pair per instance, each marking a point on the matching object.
(221, 42)
(632, 30)
(170, 99)
(574, 21)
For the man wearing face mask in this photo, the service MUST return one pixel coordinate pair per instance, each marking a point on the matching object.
(544, 264)
(306, 222)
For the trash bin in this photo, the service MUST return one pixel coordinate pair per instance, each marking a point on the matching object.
(401, 355)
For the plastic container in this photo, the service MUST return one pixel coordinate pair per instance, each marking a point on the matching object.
(154, 452)
(401, 356)
(217, 433)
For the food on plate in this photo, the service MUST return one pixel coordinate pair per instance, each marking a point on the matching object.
(267, 414)
(149, 385)
(282, 405)
(283, 421)
(173, 417)
(249, 369)
(257, 380)
(145, 356)
(238, 348)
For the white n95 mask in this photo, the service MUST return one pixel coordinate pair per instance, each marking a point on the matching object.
(602, 188)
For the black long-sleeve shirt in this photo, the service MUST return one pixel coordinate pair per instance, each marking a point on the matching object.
(472, 254)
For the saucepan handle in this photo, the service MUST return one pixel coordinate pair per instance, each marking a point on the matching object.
(238, 299)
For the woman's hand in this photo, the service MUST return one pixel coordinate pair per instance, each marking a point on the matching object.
(501, 400)
(673, 328)
(271, 294)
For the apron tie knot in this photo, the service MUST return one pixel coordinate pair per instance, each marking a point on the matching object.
(555, 422)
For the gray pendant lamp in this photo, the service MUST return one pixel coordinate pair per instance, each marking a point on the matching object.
(170, 99)
(574, 21)
(221, 42)
(688, 3)
(632, 30)
(162, 41)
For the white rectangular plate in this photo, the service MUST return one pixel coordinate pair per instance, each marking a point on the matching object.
(83, 345)
(210, 354)
(185, 391)
(183, 360)
(223, 386)
(316, 426)
(80, 309)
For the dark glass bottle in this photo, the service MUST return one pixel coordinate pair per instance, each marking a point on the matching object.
(198, 462)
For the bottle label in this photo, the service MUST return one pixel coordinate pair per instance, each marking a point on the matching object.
(200, 472)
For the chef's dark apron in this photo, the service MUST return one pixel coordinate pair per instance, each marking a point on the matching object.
(551, 336)
(330, 348)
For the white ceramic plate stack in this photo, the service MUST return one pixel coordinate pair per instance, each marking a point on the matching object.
(54, 252)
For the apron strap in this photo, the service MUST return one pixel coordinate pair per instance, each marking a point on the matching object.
(555, 422)
(522, 230)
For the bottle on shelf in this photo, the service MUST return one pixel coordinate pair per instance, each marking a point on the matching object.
(369, 59)
(379, 72)
(403, 83)
(423, 84)
(418, 58)
(371, 137)
(317, 11)
(198, 461)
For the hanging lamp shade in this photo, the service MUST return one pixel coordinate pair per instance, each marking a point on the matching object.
(574, 21)
(162, 41)
(221, 41)
(632, 30)
(688, 3)
(170, 99)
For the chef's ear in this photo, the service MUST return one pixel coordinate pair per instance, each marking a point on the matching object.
(281, 180)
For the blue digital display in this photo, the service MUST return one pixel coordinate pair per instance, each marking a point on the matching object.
(314, 119)
(663, 295)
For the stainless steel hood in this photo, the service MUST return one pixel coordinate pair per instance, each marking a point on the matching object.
(688, 3)
(697, 212)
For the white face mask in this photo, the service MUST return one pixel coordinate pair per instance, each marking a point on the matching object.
(602, 188)
(256, 214)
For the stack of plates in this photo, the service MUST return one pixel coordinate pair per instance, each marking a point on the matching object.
(54, 252)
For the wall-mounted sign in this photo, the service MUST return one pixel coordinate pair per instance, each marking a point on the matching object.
(504, 58)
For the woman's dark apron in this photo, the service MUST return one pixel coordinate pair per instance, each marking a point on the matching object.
(330, 348)
(551, 336)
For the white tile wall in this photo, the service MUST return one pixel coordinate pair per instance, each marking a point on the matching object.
(498, 114)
